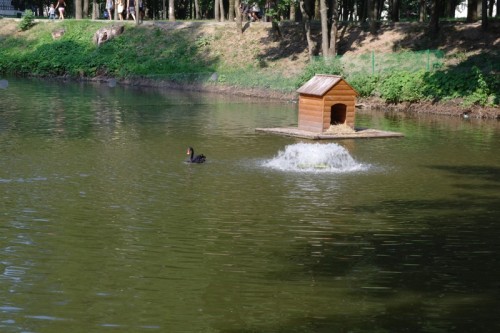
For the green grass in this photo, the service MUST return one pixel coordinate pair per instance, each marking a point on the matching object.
(36, 53)
(186, 57)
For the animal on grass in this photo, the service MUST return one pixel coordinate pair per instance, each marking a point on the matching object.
(195, 158)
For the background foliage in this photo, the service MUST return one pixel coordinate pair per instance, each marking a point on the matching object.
(473, 85)
(181, 56)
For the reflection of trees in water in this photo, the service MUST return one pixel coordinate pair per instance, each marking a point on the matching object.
(419, 265)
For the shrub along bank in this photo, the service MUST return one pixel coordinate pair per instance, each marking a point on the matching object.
(466, 82)
(200, 56)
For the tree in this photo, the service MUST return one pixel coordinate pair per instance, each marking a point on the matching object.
(394, 7)
(373, 15)
(324, 27)
(171, 10)
(216, 10)
(292, 11)
(472, 11)
(95, 10)
(490, 8)
(307, 10)
(137, 6)
(332, 50)
(421, 10)
(328, 34)
(197, 12)
(434, 22)
(230, 15)
(484, 15)
(85, 8)
(78, 9)
(222, 13)
(449, 9)
(239, 24)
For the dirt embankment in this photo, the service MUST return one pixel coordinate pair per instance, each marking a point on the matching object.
(287, 54)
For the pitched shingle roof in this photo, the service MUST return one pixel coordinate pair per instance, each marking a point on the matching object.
(319, 84)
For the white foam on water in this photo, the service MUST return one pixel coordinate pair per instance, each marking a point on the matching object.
(315, 157)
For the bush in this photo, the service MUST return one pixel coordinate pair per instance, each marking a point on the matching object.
(403, 87)
(472, 85)
(364, 85)
(27, 21)
(481, 94)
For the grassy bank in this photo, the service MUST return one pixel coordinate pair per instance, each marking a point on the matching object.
(187, 53)
(208, 54)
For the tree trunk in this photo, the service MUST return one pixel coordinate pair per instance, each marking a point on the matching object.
(396, 4)
(197, 13)
(324, 27)
(85, 8)
(171, 10)
(137, 11)
(372, 16)
(230, 15)
(78, 9)
(306, 9)
(164, 10)
(317, 8)
(222, 12)
(490, 8)
(363, 11)
(449, 10)
(216, 10)
(95, 10)
(344, 11)
(379, 9)
(332, 50)
(237, 9)
(434, 22)
(472, 11)
(422, 11)
(292, 11)
(484, 15)
(351, 12)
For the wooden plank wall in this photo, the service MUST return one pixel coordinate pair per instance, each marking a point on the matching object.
(311, 113)
(342, 93)
(314, 112)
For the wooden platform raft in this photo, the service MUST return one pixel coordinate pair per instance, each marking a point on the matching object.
(327, 106)
(359, 133)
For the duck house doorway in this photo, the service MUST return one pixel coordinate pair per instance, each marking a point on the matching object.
(338, 114)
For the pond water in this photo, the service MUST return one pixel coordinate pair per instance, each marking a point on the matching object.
(104, 228)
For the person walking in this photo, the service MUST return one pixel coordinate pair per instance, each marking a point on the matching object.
(109, 8)
(52, 12)
(131, 8)
(120, 9)
(61, 5)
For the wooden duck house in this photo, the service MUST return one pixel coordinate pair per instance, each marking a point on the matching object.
(326, 100)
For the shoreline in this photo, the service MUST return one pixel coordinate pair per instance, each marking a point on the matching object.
(212, 40)
(450, 108)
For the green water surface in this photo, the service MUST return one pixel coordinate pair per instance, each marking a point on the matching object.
(104, 228)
